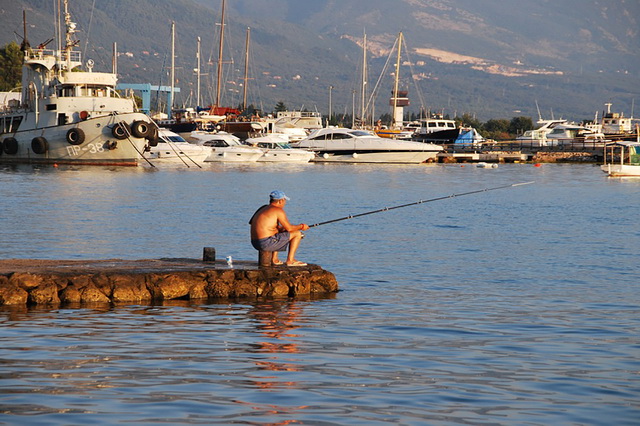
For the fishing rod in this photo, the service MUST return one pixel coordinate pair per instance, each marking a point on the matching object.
(420, 202)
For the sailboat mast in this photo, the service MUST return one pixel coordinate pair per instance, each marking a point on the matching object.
(173, 65)
(246, 69)
(198, 75)
(397, 78)
(220, 51)
(364, 79)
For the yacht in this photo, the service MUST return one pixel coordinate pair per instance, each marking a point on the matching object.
(172, 147)
(538, 136)
(361, 146)
(226, 147)
(568, 133)
(67, 115)
(276, 148)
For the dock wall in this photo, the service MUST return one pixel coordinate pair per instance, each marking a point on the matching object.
(39, 282)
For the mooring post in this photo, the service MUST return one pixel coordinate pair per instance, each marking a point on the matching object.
(264, 258)
(209, 254)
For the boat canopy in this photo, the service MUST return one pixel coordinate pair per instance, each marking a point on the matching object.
(469, 136)
(632, 148)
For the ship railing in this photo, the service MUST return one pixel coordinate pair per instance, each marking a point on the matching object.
(559, 145)
(36, 53)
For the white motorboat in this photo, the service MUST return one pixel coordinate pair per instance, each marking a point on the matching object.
(70, 116)
(276, 148)
(622, 159)
(172, 147)
(360, 146)
(226, 147)
(568, 133)
(538, 137)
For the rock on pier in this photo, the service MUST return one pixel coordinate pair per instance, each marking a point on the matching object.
(41, 282)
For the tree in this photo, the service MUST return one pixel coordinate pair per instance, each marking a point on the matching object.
(280, 106)
(10, 66)
(467, 120)
(519, 125)
(496, 125)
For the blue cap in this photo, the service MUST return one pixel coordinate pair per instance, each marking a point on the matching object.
(278, 195)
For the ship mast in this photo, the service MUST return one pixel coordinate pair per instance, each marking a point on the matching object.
(246, 69)
(364, 79)
(220, 51)
(173, 65)
(397, 78)
(198, 75)
(70, 30)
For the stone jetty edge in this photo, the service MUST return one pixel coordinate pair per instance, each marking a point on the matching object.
(43, 282)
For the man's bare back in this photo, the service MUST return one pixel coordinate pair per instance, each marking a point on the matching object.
(268, 221)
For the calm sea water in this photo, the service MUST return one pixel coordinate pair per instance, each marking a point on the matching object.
(514, 306)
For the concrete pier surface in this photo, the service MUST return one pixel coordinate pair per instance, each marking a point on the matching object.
(42, 282)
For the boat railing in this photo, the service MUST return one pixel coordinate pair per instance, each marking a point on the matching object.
(37, 53)
(560, 145)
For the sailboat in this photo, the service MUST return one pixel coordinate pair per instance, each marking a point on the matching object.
(397, 102)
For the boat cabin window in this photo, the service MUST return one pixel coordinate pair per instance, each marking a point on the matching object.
(338, 136)
(10, 124)
(93, 91)
(431, 124)
(216, 143)
(66, 91)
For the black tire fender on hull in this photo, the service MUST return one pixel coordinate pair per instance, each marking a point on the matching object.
(10, 146)
(75, 136)
(140, 129)
(121, 130)
(39, 145)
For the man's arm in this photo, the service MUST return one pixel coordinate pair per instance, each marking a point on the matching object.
(283, 222)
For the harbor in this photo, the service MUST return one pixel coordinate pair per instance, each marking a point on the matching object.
(441, 263)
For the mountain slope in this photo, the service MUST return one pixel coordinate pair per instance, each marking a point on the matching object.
(472, 57)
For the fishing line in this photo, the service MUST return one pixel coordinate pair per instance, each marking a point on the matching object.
(420, 202)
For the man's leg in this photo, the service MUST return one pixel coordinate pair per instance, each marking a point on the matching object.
(274, 259)
(294, 241)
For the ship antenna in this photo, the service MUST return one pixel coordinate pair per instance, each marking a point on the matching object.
(70, 30)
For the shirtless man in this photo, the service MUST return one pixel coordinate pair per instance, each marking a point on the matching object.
(271, 230)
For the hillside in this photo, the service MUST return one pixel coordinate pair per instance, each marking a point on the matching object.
(469, 57)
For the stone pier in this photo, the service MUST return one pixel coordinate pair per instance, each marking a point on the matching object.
(51, 282)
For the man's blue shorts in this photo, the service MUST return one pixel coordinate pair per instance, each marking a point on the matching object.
(278, 242)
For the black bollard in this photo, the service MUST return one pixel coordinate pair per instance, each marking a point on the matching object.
(209, 254)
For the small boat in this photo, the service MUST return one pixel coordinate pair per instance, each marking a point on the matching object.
(622, 159)
(226, 147)
(569, 133)
(361, 146)
(276, 148)
(173, 147)
(67, 115)
(538, 136)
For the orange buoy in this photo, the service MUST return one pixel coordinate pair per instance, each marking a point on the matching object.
(537, 165)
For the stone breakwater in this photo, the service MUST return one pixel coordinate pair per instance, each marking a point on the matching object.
(47, 282)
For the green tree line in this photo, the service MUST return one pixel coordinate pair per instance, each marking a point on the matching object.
(11, 58)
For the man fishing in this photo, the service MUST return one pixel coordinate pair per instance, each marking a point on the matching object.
(271, 230)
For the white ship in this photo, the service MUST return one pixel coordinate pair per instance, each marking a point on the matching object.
(69, 116)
